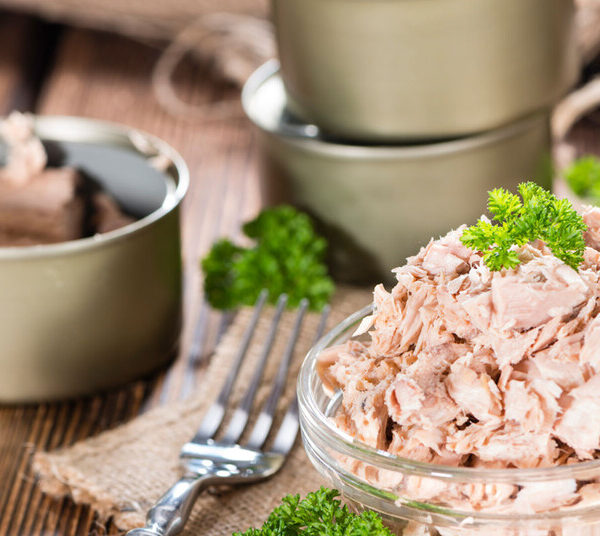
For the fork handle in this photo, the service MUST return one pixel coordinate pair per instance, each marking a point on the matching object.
(169, 514)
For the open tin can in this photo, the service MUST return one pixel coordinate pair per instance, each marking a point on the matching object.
(379, 204)
(391, 70)
(85, 315)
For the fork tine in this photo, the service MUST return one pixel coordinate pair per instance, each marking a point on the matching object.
(322, 323)
(214, 416)
(288, 430)
(265, 418)
(241, 414)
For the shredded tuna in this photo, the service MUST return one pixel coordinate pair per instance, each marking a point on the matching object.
(468, 367)
(27, 156)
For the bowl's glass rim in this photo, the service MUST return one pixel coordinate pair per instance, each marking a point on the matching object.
(345, 444)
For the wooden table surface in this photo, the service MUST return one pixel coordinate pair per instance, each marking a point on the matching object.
(51, 69)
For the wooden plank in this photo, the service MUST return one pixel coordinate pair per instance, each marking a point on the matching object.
(27, 46)
(586, 135)
(102, 76)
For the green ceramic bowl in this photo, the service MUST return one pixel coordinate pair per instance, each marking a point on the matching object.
(389, 70)
(379, 204)
(89, 314)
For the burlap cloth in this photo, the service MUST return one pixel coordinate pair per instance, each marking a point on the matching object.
(120, 473)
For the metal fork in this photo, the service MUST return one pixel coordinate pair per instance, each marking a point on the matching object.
(209, 462)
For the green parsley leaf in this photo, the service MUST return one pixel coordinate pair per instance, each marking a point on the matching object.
(287, 257)
(583, 177)
(319, 514)
(538, 215)
(219, 274)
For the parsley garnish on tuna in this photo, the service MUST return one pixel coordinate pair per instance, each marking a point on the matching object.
(538, 215)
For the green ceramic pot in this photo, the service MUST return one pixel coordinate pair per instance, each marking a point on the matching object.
(390, 70)
(380, 204)
(89, 314)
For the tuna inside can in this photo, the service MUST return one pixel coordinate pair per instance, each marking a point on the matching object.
(84, 315)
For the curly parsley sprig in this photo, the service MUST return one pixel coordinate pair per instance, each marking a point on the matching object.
(538, 215)
(287, 256)
(319, 514)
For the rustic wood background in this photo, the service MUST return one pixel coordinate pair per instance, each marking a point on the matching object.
(51, 69)
(54, 70)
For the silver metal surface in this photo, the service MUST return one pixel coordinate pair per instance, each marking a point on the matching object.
(89, 314)
(265, 417)
(209, 461)
(378, 204)
(391, 70)
(214, 416)
(240, 416)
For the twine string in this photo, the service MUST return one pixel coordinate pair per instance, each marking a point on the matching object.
(237, 44)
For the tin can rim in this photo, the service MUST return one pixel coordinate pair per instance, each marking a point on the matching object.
(82, 129)
(307, 137)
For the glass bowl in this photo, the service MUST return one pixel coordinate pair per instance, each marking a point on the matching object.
(417, 498)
